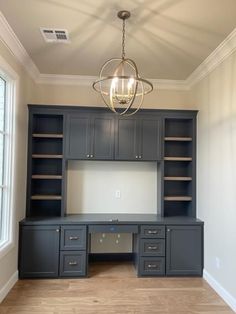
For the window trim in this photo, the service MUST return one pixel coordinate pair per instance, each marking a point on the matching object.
(9, 220)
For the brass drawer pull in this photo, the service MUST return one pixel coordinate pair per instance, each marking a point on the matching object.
(152, 266)
(152, 247)
(74, 238)
(73, 263)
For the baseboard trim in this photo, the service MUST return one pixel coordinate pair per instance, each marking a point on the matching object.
(7, 287)
(224, 294)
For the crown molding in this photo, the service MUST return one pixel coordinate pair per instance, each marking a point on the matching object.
(169, 84)
(224, 50)
(83, 80)
(11, 41)
(59, 79)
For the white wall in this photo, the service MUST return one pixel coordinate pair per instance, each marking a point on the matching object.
(215, 97)
(92, 186)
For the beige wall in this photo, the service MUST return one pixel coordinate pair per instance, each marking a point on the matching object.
(86, 96)
(8, 263)
(215, 97)
(92, 187)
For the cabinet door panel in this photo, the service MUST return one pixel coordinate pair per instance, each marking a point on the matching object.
(102, 137)
(184, 250)
(126, 139)
(78, 137)
(39, 251)
(150, 144)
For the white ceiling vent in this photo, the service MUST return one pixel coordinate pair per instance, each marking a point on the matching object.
(51, 35)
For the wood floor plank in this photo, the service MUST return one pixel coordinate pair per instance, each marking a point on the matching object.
(113, 288)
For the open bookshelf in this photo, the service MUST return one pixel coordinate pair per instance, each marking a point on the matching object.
(179, 167)
(45, 177)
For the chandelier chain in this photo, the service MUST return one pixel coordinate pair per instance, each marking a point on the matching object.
(123, 40)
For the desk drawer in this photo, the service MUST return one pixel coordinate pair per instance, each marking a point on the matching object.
(73, 237)
(73, 264)
(152, 231)
(152, 247)
(113, 229)
(152, 266)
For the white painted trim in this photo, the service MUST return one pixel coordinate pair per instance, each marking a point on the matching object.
(224, 50)
(223, 293)
(58, 79)
(9, 38)
(12, 90)
(83, 80)
(8, 286)
(169, 84)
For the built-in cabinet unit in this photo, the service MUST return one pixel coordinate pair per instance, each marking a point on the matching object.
(61, 133)
(138, 138)
(151, 250)
(45, 164)
(39, 251)
(184, 250)
(179, 166)
(90, 136)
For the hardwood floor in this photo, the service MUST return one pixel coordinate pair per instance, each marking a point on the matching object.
(113, 288)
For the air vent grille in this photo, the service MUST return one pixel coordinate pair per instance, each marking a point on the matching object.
(55, 35)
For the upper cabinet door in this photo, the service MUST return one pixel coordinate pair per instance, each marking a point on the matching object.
(90, 136)
(126, 144)
(150, 139)
(138, 138)
(102, 137)
(78, 136)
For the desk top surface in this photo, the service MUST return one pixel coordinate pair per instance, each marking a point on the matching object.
(111, 219)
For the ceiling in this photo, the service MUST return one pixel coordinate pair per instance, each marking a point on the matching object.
(167, 39)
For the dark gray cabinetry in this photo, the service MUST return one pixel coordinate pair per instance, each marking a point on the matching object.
(184, 248)
(152, 250)
(90, 136)
(45, 163)
(73, 255)
(179, 183)
(138, 138)
(39, 251)
(73, 263)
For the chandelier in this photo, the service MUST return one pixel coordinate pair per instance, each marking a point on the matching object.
(120, 85)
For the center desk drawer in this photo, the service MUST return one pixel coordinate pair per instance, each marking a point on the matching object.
(113, 229)
(152, 231)
(73, 237)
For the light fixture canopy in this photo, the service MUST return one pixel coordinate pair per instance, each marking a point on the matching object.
(120, 85)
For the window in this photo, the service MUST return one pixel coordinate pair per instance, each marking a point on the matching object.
(2, 141)
(8, 80)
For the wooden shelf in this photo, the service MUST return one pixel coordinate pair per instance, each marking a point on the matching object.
(46, 197)
(44, 176)
(178, 158)
(47, 156)
(177, 198)
(47, 135)
(178, 178)
(178, 139)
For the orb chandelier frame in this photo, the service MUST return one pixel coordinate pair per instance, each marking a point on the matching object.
(121, 90)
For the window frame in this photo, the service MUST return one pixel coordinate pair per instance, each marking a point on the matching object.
(8, 211)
